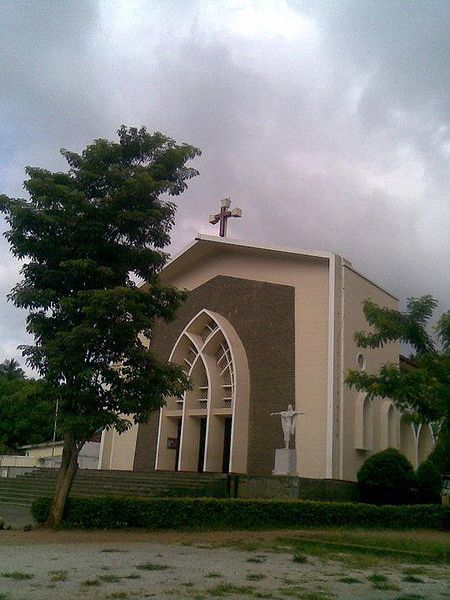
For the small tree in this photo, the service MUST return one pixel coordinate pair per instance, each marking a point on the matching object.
(429, 483)
(423, 390)
(440, 456)
(387, 478)
(84, 235)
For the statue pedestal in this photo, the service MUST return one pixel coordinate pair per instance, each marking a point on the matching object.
(285, 462)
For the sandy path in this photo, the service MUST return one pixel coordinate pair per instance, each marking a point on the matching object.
(104, 565)
(74, 536)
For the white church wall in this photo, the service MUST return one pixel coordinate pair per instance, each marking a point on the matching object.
(356, 289)
(117, 450)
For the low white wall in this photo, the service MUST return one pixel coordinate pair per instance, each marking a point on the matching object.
(15, 471)
(8, 460)
(87, 459)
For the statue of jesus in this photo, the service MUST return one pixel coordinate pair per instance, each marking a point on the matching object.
(287, 422)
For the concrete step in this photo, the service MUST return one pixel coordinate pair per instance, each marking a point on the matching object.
(23, 489)
(26, 498)
(117, 491)
(31, 494)
(13, 502)
(113, 488)
(127, 476)
(126, 473)
(121, 483)
(19, 482)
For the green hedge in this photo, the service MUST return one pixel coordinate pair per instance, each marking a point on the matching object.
(209, 513)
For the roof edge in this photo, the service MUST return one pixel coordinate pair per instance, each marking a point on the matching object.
(246, 244)
(218, 241)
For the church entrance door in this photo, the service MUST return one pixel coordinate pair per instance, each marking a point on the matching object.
(201, 445)
(226, 445)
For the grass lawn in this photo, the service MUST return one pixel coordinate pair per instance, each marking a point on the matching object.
(359, 547)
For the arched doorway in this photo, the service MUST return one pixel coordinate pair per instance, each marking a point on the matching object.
(207, 429)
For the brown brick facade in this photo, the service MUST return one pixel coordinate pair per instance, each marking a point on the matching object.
(263, 317)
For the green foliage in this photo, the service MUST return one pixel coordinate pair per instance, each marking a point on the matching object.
(10, 369)
(387, 478)
(440, 455)
(207, 513)
(422, 389)
(85, 236)
(26, 416)
(429, 483)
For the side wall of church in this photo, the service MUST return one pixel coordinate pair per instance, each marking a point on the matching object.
(364, 424)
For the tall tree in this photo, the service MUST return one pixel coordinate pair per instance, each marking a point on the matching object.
(85, 236)
(26, 415)
(10, 369)
(423, 390)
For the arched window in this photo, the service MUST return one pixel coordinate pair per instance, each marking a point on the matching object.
(198, 432)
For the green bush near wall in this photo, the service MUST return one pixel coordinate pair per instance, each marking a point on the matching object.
(387, 478)
(212, 513)
(429, 483)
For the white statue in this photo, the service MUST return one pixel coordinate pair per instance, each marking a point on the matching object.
(287, 422)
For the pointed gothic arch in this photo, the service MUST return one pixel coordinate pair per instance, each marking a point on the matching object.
(363, 422)
(207, 429)
(389, 426)
(425, 442)
(408, 441)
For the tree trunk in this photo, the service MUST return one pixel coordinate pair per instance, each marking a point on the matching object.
(66, 475)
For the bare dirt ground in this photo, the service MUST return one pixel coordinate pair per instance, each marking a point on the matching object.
(103, 565)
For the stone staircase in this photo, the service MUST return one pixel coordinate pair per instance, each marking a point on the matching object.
(23, 489)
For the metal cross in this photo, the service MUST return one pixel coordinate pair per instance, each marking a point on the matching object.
(223, 216)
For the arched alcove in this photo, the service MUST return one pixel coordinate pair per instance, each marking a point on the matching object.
(389, 433)
(425, 443)
(207, 429)
(363, 422)
(408, 441)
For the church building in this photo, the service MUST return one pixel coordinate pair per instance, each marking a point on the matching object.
(264, 328)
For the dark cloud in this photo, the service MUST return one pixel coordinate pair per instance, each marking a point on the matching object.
(328, 123)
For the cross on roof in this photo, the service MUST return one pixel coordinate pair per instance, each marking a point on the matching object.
(223, 216)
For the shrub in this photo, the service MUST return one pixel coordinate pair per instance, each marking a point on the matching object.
(387, 478)
(213, 513)
(429, 483)
(440, 455)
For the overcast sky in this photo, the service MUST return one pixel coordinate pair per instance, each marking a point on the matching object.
(328, 123)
